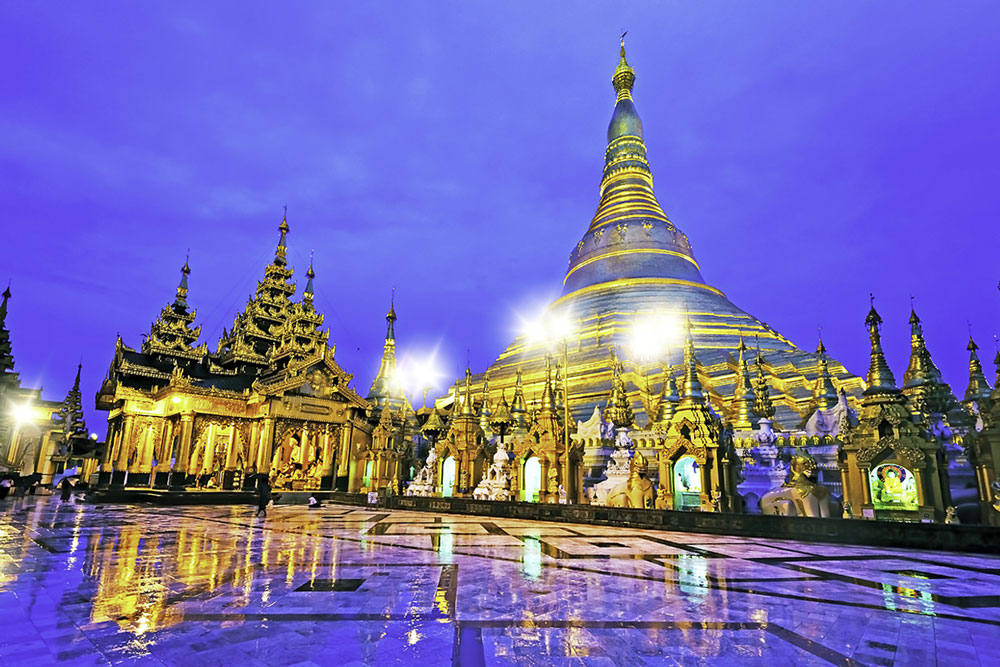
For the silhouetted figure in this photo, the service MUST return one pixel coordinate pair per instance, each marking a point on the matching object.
(263, 495)
(67, 490)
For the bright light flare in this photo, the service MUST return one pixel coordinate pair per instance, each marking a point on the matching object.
(652, 334)
(22, 413)
(416, 374)
(547, 328)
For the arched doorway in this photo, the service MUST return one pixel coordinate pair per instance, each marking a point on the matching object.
(532, 479)
(687, 483)
(448, 477)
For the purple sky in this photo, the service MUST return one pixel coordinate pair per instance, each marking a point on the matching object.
(812, 152)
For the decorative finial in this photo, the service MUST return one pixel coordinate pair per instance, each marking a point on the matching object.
(624, 76)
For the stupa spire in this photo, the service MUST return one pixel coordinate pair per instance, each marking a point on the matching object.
(824, 393)
(386, 386)
(182, 287)
(309, 292)
(630, 229)
(548, 400)
(467, 410)
(619, 407)
(692, 385)
(743, 396)
(6, 352)
(668, 398)
(978, 389)
(996, 363)
(281, 252)
(921, 369)
(624, 76)
(517, 406)
(763, 406)
(880, 378)
(484, 404)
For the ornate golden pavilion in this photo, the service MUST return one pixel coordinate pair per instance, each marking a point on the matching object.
(270, 399)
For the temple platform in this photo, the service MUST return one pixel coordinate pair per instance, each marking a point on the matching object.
(935, 536)
(142, 584)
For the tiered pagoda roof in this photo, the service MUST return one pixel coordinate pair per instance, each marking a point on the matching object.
(7, 375)
(272, 339)
(173, 334)
(258, 328)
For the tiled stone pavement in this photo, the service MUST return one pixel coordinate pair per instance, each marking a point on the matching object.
(84, 584)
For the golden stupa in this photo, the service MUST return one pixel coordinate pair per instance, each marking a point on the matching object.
(634, 267)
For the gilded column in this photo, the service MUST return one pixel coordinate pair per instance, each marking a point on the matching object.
(345, 455)
(866, 489)
(163, 450)
(184, 448)
(328, 455)
(253, 446)
(114, 442)
(126, 443)
(267, 445)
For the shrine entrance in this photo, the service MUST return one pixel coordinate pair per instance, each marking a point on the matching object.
(532, 479)
(448, 477)
(687, 484)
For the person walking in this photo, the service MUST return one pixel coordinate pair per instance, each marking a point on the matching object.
(66, 487)
(263, 495)
(5, 485)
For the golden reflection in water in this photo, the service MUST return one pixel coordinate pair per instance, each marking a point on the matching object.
(130, 586)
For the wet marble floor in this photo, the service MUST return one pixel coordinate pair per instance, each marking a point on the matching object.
(91, 584)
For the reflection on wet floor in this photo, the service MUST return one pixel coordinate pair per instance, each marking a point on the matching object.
(86, 584)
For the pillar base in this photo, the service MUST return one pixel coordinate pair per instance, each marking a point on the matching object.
(161, 479)
(138, 479)
(177, 480)
(118, 479)
(103, 479)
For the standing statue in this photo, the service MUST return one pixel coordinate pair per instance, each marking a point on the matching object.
(951, 515)
(425, 483)
(800, 495)
(637, 492)
(553, 485)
